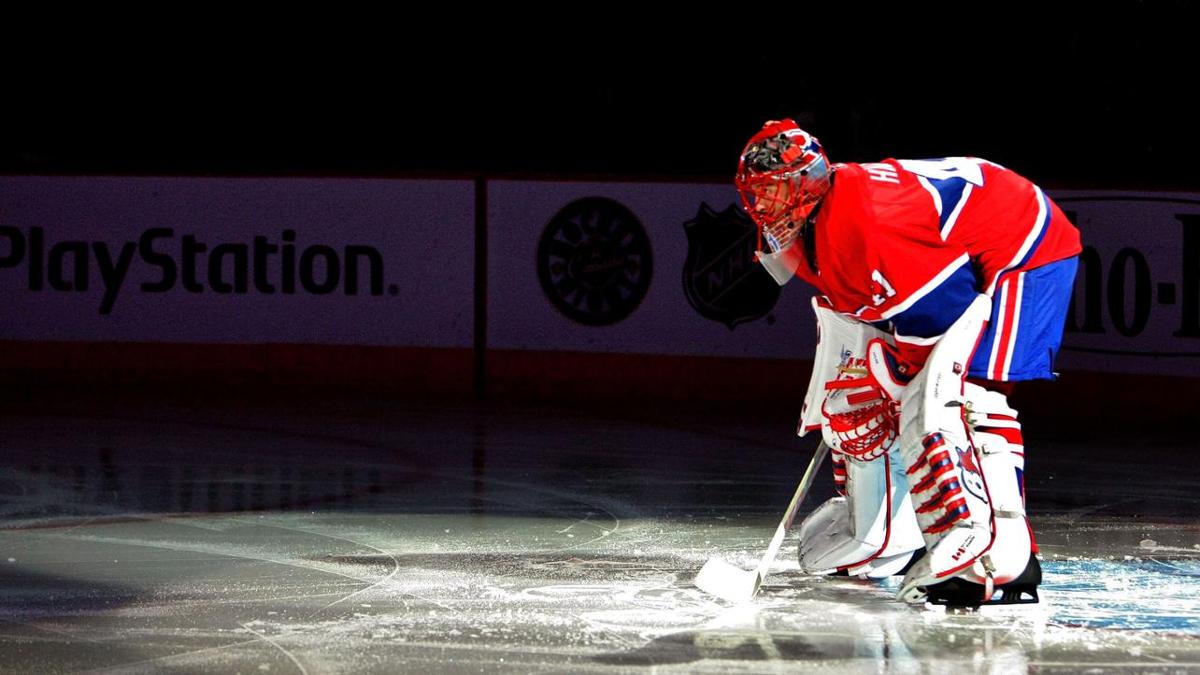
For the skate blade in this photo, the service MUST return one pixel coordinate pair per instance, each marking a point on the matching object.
(1014, 610)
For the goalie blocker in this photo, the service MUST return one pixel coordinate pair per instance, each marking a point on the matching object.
(942, 480)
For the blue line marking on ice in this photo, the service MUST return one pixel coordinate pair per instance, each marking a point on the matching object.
(1136, 594)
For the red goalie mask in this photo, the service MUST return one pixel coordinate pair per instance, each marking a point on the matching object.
(782, 176)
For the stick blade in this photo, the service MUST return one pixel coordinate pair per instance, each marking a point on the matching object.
(727, 582)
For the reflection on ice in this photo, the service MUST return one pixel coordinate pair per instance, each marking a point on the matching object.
(462, 541)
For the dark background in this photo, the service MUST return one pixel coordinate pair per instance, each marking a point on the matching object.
(1089, 95)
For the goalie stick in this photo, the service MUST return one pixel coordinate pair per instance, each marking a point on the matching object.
(731, 583)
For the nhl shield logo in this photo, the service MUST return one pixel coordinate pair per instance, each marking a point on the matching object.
(721, 279)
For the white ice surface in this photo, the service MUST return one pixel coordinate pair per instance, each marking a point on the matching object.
(324, 553)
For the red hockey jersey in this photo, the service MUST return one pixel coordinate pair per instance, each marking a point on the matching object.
(907, 244)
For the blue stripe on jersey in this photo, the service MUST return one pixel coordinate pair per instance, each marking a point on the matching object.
(1044, 226)
(951, 192)
(940, 308)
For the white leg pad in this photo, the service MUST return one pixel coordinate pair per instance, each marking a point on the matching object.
(998, 532)
(1010, 550)
(871, 532)
(882, 567)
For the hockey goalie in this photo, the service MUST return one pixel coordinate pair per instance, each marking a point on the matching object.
(941, 282)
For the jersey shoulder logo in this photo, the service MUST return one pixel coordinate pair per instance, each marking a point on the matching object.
(880, 288)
